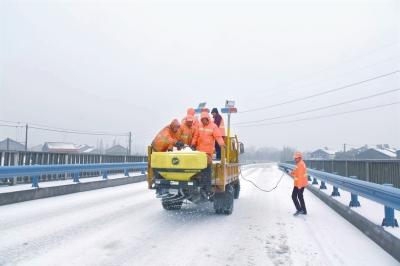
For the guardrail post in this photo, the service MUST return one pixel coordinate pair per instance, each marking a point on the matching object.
(389, 219)
(322, 186)
(76, 177)
(309, 178)
(315, 181)
(126, 172)
(335, 192)
(105, 174)
(35, 181)
(354, 197)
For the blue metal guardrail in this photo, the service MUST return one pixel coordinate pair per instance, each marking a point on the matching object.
(35, 171)
(383, 194)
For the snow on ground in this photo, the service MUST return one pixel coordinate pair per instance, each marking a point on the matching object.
(126, 225)
(371, 210)
(69, 181)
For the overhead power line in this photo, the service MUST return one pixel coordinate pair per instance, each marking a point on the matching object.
(11, 126)
(63, 130)
(320, 93)
(8, 121)
(319, 108)
(325, 69)
(78, 132)
(323, 116)
(279, 91)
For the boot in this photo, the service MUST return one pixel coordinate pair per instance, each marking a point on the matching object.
(297, 213)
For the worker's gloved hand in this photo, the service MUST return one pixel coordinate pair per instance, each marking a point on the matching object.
(179, 145)
(193, 147)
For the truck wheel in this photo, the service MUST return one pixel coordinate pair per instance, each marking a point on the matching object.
(237, 190)
(223, 202)
(228, 202)
(218, 202)
(172, 205)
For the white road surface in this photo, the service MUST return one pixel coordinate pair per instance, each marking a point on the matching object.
(126, 225)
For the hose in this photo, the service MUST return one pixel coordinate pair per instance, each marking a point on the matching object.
(256, 186)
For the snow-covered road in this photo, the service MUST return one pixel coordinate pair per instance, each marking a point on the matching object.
(126, 225)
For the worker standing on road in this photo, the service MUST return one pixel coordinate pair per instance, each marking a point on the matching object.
(219, 121)
(187, 131)
(167, 138)
(207, 134)
(299, 174)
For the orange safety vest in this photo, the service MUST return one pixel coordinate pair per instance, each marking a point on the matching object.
(165, 140)
(206, 136)
(195, 122)
(300, 175)
(186, 134)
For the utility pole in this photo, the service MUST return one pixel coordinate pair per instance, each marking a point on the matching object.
(130, 143)
(26, 137)
(344, 148)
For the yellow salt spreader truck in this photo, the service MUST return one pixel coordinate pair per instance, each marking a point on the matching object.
(180, 174)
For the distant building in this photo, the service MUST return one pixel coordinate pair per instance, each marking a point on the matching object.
(87, 149)
(60, 147)
(117, 150)
(350, 154)
(37, 148)
(323, 154)
(380, 152)
(11, 145)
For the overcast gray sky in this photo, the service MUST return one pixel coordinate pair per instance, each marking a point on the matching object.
(120, 66)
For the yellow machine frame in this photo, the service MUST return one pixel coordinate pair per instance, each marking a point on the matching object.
(225, 172)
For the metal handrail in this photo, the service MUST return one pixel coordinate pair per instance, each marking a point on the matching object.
(34, 170)
(382, 194)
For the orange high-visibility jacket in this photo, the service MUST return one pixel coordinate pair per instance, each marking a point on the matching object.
(205, 137)
(165, 140)
(186, 134)
(195, 122)
(300, 175)
(191, 112)
(221, 125)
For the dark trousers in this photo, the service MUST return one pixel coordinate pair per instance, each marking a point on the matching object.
(298, 199)
(206, 179)
(217, 151)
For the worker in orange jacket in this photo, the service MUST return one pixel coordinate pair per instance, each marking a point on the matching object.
(204, 141)
(167, 138)
(192, 112)
(299, 174)
(187, 130)
(219, 121)
(207, 134)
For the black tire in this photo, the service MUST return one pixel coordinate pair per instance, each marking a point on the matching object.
(229, 198)
(223, 202)
(218, 202)
(172, 204)
(236, 186)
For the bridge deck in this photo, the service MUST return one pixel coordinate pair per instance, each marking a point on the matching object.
(127, 226)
